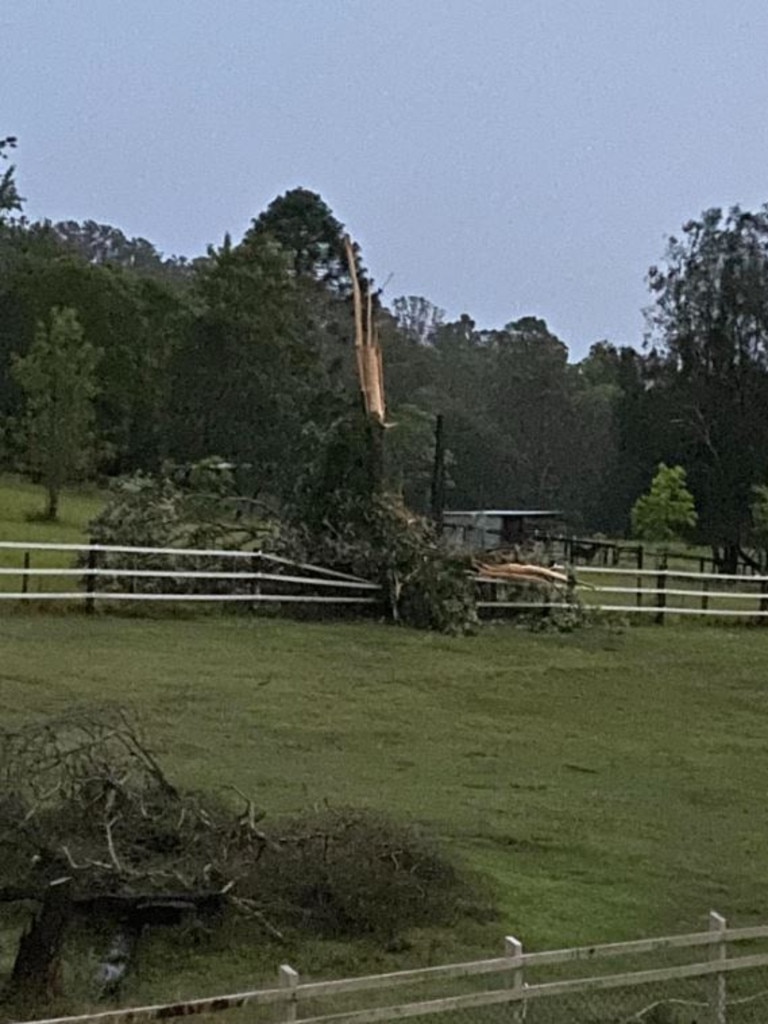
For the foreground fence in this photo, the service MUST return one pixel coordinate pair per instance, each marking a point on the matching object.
(705, 977)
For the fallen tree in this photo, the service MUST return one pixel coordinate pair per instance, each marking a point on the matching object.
(93, 832)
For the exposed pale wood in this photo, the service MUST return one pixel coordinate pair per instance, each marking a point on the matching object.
(289, 979)
(357, 300)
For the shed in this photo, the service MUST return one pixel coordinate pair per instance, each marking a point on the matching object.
(485, 529)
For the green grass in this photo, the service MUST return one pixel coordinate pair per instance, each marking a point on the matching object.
(610, 784)
(20, 504)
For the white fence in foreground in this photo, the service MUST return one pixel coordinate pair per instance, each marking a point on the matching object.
(697, 973)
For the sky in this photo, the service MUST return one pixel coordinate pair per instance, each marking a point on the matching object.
(502, 158)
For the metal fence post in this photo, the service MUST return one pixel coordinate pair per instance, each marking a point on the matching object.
(718, 952)
(290, 979)
(513, 949)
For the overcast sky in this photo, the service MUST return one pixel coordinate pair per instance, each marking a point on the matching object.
(500, 157)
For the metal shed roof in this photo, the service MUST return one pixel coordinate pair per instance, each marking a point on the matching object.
(510, 513)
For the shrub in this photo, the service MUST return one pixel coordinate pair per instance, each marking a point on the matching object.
(349, 873)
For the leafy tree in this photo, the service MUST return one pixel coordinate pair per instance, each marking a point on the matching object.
(10, 200)
(58, 378)
(246, 381)
(709, 327)
(137, 321)
(417, 317)
(304, 226)
(666, 513)
(759, 510)
(105, 245)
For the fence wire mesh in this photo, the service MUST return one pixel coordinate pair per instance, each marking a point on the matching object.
(738, 997)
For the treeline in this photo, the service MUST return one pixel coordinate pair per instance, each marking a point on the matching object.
(248, 354)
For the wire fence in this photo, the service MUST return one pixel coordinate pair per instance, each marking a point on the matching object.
(719, 976)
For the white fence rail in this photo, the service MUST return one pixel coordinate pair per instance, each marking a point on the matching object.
(656, 592)
(283, 580)
(123, 573)
(514, 981)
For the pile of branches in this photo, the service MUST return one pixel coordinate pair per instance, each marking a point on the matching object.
(91, 826)
(92, 830)
(83, 796)
(425, 585)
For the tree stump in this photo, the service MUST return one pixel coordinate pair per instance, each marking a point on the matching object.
(37, 968)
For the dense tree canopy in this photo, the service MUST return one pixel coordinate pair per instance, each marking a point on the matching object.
(248, 354)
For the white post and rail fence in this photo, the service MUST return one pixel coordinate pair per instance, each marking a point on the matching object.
(705, 976)
(86, 573)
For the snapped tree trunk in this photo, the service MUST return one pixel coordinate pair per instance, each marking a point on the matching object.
(37, 969)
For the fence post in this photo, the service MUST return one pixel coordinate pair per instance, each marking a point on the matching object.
(661, 589)
(763, 606)
(513, 948)
(290, 979)
(705, 595)
(90, 582)
(25, 574)
(719, 952)
(253, 562)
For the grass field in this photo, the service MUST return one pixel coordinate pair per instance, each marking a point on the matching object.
(611, 784)
(608, 783)
(20, 502)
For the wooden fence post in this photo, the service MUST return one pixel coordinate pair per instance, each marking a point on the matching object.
(661, 589)
(25, 574)
(90, 582)
(718, 952)
(290, 979)
(763, 606)
(705, 595)
(513, 949)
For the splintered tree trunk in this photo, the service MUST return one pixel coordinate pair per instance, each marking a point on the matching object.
(37, 969)
(375, 431)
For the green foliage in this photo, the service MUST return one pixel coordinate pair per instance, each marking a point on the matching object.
(345, 872)
(10, 200)
(759, 511)
(425, 585)
(194, 507)
(250, 352)
(58, 378)
(667, 512)
(710, 323)
(306, 230)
